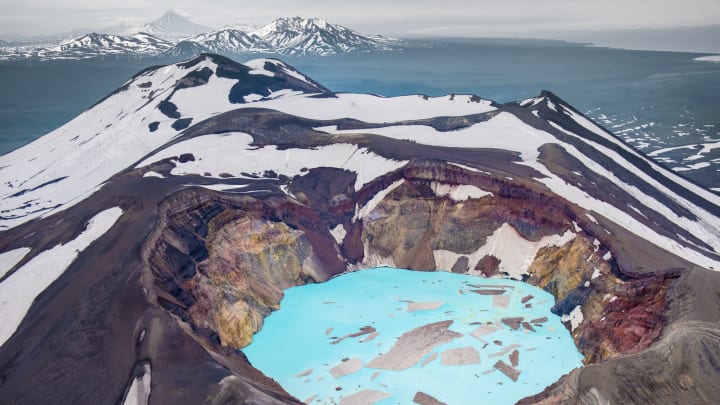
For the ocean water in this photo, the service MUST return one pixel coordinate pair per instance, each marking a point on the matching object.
(296, 345)
(654, 100)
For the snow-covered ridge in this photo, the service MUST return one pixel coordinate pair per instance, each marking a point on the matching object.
(293, 36)
(69, 164)
(138, 126)
(210, 151)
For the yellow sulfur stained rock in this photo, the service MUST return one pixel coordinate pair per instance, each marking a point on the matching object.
(236, 324)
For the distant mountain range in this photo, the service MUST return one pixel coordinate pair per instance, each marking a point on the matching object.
(176, 36)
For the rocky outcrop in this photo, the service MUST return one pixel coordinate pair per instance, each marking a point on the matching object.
(620, 315)
(222, 263)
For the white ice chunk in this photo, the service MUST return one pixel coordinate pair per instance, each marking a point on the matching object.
(461, 192)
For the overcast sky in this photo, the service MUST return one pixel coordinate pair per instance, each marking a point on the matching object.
(388, 17)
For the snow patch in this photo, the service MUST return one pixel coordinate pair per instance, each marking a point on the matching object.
(458, 193)
(575, 317)
(607, 256)
(219, 186)
(576, 227)
(376, 109)
(516, 253)
(9, 259)
(591, 218)
(505, 131)
(18, 291)
(139, 392)
(258, 67)
(339, 233)
(153, 174)
(251, 98)
(70, 163)
(210, 153)
(365, 211)
(695, 166)
(469, 168)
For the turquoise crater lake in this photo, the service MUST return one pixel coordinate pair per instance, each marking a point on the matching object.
(383, 335)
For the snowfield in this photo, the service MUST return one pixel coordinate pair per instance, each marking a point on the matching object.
(232, 153)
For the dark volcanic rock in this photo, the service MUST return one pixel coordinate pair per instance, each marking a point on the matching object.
(181, 124)
(488, 266)
(488, 292)
(422, 398)
(462, 265)
(169, 109)
(514, 358)
(513, 323)
(509, 371)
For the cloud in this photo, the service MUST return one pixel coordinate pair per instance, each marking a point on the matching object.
(392, 17)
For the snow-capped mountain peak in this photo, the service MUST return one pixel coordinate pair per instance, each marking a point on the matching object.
(297, 36)
(228, 40)
(172, 25)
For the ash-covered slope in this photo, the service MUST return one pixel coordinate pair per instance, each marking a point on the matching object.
(143, 243)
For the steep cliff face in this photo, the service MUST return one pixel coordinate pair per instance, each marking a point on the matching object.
(222, 264)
